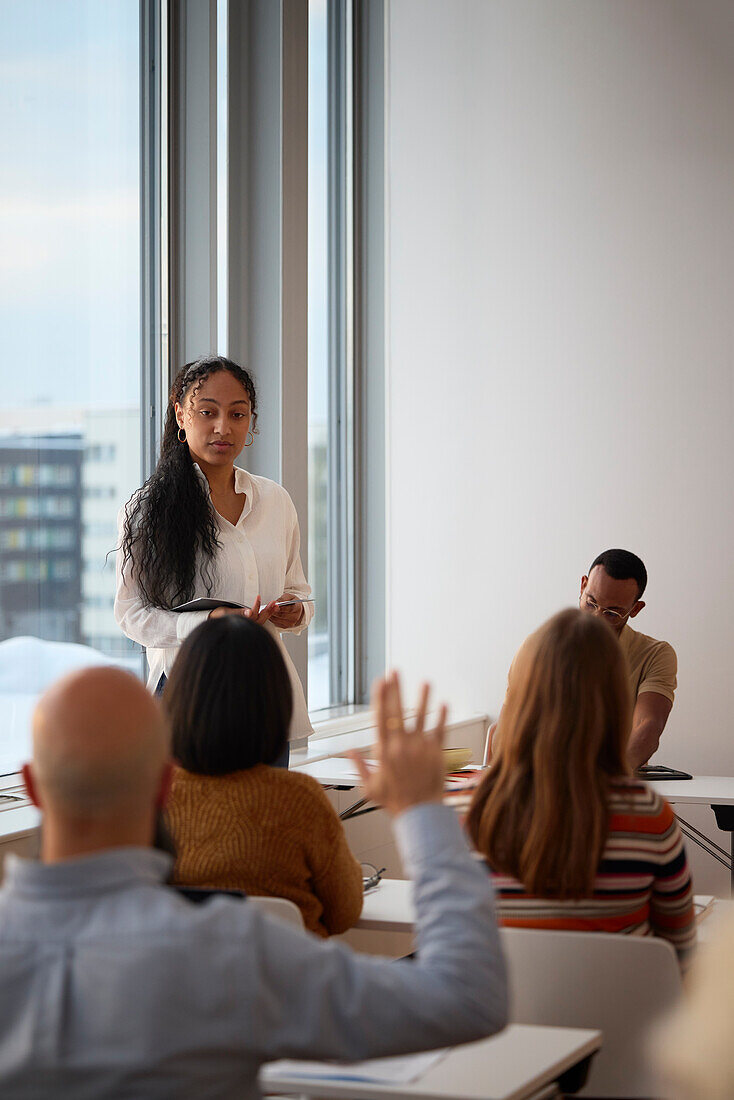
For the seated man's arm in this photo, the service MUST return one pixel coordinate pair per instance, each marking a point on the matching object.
(655, 695)
(648, 722)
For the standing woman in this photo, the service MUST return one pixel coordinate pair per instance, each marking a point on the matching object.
(202, 527)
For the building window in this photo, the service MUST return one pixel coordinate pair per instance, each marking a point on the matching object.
(101, 452)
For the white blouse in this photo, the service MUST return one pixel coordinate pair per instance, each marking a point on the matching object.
(259, 555)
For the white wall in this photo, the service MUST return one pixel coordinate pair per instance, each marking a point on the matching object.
(561, 334)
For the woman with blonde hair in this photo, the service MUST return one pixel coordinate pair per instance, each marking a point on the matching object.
(573, 840)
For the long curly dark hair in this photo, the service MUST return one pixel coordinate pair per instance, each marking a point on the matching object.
(170, 521)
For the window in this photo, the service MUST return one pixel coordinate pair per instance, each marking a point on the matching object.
(333, 553)
(320, 649)
(287, 171)
(87, 272)
(346, 334)
(69, 310)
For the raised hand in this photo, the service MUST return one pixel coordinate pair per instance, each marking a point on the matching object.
(411, 768)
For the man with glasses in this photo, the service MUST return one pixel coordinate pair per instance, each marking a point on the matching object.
(613, 589)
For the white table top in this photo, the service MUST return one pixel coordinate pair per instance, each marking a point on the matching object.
(389, 907)
(705, 790)
(708, 790)
(17, 819)
(514, 1065)
(333, 771)
(721, 914)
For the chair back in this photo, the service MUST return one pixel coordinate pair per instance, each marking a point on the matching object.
(619, 984)
(279, 907)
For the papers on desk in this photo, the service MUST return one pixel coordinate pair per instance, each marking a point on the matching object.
(465, 779)
(381, 1071)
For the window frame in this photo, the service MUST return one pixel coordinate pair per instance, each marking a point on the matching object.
(266, 291)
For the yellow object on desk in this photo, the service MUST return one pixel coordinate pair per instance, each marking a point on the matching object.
(453, 759)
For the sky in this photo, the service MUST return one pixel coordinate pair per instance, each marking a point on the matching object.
(70, 215)
(69, 202)
(69, 196)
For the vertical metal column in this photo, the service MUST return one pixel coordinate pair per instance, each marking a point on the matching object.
(152, 129)
(268, 240)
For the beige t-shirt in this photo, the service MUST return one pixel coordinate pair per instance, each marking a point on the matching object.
(652, 664)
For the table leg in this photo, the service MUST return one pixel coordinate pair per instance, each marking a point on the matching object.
(725, 820)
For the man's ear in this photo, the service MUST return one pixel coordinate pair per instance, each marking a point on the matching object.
(637, 609)
(584, 582)
(164, 785)
(30, 785)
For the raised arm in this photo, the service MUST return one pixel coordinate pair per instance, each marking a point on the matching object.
(328, 1002)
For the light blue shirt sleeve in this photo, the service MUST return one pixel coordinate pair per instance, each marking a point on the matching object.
(328, 1002)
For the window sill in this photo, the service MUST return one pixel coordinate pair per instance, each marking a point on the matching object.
(337, 735)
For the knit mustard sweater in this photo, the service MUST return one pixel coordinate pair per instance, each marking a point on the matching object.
(266, 831)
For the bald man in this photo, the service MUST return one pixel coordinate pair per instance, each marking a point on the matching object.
(113, 984)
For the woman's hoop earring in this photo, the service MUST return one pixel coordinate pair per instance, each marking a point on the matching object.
(252, 439)
(182, 435)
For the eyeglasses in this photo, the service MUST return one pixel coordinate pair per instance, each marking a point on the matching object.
(612, 617)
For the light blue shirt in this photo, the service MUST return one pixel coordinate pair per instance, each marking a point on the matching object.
(114, 985)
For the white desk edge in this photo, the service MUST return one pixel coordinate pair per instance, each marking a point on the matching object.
(527, 1058)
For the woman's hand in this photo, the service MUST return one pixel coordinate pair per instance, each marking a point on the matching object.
(286, 617)
(411, 767)
(257, 613)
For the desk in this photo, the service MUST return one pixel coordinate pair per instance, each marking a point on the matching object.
(340, 772)
(389, 907)
(721, 914)
(331, 771)
(519, 1063)
(716, 791)
(19, 820)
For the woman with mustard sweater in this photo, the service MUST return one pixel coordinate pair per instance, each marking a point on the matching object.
(236, 821)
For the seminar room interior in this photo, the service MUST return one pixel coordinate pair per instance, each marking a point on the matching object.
(479, 257)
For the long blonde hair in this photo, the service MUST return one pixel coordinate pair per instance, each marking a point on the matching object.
(541, 813)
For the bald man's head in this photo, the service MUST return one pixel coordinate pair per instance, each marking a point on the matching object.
(100, 746)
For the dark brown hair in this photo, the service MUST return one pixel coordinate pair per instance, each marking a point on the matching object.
(170, 529)
(541, 812)
(228, 698)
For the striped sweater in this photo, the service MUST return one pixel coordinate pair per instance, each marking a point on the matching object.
(643, 885)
